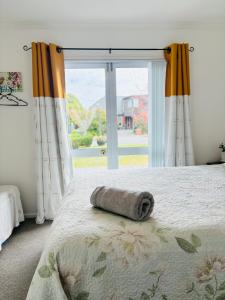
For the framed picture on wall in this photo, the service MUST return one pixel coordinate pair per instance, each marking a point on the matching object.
(11, 82)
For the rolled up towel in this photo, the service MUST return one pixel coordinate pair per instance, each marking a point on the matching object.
(134, 205)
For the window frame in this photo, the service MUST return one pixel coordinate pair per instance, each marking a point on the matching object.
(113, 151)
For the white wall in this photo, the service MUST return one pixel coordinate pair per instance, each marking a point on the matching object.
(207, 82)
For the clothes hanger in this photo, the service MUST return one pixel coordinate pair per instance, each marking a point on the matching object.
(2, 96)
(25, 103)
(17, 101)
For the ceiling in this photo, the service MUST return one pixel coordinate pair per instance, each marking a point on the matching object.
(41, 12)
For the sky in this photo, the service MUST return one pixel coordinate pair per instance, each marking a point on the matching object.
(89, 84)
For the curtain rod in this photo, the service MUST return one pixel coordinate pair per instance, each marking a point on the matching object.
(59, 49)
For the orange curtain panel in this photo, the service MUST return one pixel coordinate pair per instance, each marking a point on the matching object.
(53, 159)
(178, 144)
(177, 71)
(48, 71)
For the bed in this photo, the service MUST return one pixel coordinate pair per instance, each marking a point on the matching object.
(11, 211)
(179, 253)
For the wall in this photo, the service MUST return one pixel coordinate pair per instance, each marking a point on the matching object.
(207, 81)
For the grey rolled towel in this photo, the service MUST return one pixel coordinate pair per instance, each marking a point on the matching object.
(134, 205)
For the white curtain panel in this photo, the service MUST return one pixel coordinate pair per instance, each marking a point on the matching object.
(178, 146)
(54, 163)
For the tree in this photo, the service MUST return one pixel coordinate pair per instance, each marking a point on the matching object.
(141, 121)
(78, 115)
(98, 123)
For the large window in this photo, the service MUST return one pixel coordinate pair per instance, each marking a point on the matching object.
(116, 113)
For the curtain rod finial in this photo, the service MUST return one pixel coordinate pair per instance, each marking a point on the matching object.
(26, 48)
(58, 49)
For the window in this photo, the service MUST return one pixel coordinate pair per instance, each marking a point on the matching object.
(136, 102)
(116, 113)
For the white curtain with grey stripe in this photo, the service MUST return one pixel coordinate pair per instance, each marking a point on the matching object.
(53, 158)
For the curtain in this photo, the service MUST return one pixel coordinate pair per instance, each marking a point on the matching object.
(156, 111)
(54, 165)
(178, 138)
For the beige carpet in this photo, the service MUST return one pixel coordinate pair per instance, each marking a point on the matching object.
(19, 257)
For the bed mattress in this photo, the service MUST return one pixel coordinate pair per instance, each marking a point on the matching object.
(11, 212)
(179, 253)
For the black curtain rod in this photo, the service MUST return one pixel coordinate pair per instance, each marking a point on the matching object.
(59, 49)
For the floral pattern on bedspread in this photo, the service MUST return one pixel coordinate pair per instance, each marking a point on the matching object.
(94, 255)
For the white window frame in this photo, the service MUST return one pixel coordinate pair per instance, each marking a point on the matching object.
(155, 106)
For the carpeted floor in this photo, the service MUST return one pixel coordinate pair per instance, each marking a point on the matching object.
(19, 257)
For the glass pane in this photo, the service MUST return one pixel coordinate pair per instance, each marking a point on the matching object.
(133, 161)
(132, 106)
(132, 115)
(85, 93)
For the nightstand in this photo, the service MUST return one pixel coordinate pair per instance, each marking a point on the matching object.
(215, 162)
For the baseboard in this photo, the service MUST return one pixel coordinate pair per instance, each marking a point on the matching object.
(30, 215)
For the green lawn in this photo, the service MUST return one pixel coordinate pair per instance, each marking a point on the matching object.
(101, 162)
(120, 146)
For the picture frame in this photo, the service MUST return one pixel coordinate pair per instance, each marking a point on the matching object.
(11, 82)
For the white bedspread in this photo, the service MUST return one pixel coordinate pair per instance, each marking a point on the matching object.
(11, 212)
(178, 254)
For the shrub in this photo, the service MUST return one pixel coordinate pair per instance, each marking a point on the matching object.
(86, 140)
(142, 126)
(79, 140)
(101, 140)
(75, 138)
